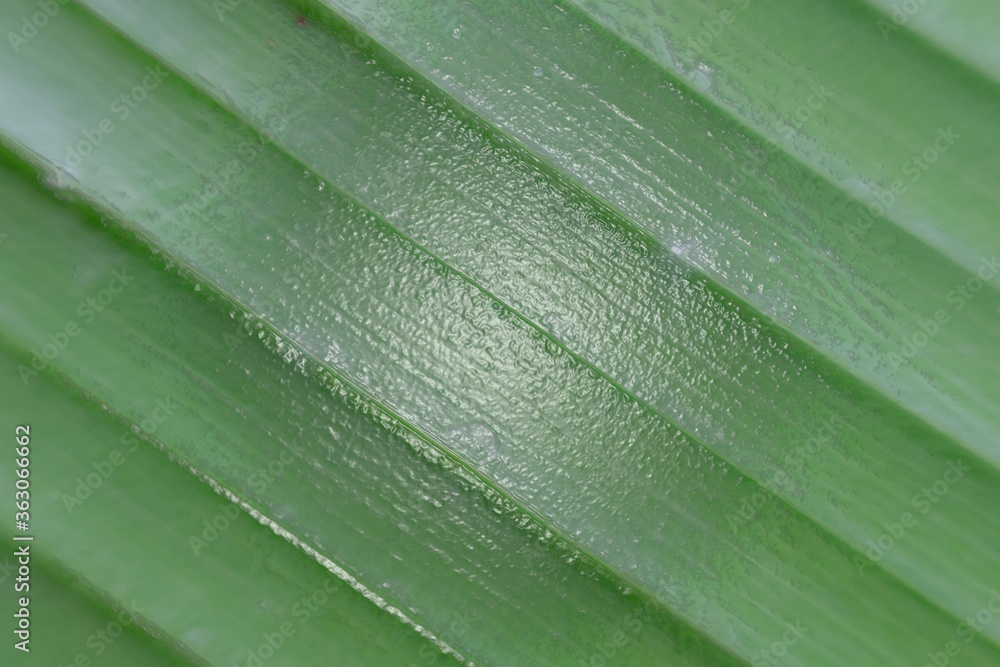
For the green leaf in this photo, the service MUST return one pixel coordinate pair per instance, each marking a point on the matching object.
(581, 337)
(345, 483)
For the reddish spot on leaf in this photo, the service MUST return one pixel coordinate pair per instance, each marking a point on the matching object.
(302, 20)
